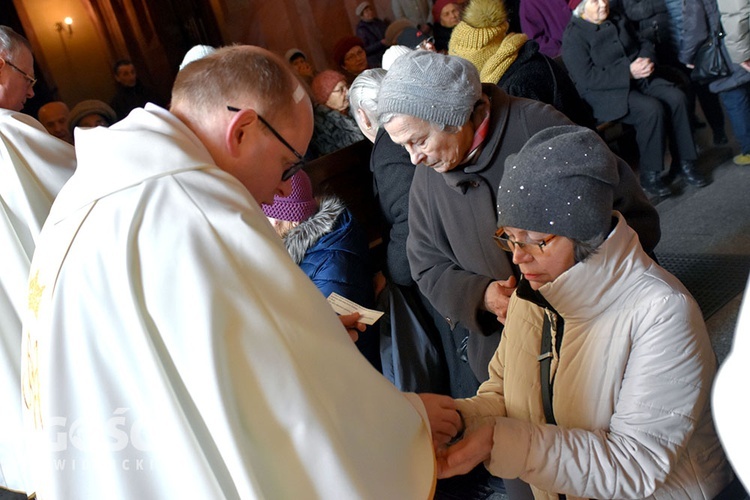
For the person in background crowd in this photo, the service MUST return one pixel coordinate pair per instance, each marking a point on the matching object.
(363, 101)
(655, 24)
(615, 402)
(34, 165)
(371, 30)
(614, 72)
(416, 11)
(131, 93)
(334, 126)
(446, 15)
(415, 39)
(91, 113)
(330, 246)
(349, 54)
(395, 29)
(55, 116)
(514, 62)
(196, 52)
(544, 21)
(393, 53)
(301, 65)
(710, 102)
(235, 362)
(699, 17)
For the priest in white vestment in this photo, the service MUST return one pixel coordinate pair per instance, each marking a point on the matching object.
(33, 167)
(172, 348)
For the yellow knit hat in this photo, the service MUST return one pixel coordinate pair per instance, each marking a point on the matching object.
(479, 36)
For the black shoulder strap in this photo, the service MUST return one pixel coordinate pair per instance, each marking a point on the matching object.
(545, 360)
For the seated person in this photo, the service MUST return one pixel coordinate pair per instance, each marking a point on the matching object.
(393, 53)
(91, 113)
(363, 101)
(615, 402)
(330, 246)
(395, 29)
(371, 30)
(350, 56)
(334, 126)
(514, 62)
(544, 21)
(55, 116)
(301, 65)
(446, 14)
(613, 72)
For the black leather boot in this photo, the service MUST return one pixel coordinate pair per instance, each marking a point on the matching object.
(691, 174)
(651, 183)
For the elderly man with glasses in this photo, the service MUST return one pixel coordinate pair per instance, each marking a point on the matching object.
(34, 165)
(170, 328)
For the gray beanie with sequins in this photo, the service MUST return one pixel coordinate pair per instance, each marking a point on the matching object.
(561, 182)
(434, 87)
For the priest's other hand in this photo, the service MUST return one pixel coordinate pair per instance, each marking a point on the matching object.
(445, 422)
(353, 327)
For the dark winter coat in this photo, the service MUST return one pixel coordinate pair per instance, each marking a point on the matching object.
(126, 99)
(452, 219)
(333, 131)
(373, 33)
(598, 58)
(652, 19)
(392, 173)
(442, 37)
(535, 76)
(698, 17)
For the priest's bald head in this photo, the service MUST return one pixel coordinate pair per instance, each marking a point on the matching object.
(16, 70)
(250, 112)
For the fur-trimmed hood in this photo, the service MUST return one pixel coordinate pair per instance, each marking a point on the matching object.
(304, 236)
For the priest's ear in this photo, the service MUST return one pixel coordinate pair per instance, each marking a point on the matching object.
(240, 128)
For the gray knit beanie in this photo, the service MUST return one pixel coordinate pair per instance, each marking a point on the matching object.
(434, 87)
(561, 182)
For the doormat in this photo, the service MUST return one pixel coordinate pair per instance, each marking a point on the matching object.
(713, 280)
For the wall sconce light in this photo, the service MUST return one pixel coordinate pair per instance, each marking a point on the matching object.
(68, 21)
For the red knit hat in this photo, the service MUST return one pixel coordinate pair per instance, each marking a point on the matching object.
(324, 83)
(438, 8)
(343, 46)
(298, 206)
(573, 4)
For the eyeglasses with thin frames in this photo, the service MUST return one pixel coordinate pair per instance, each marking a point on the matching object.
(29, 79)
(296, 166)
(530, 247)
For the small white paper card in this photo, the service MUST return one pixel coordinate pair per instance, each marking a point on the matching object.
(343, 305)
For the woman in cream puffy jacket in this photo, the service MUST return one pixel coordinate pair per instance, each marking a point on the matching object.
(629, 359)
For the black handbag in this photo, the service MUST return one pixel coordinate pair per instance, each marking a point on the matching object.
(710, 63)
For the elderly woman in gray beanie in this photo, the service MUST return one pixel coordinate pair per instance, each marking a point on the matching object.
(600, 386)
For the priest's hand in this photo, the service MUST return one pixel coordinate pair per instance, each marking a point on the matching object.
(353, 327)
(445, 422)
(462, 457)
